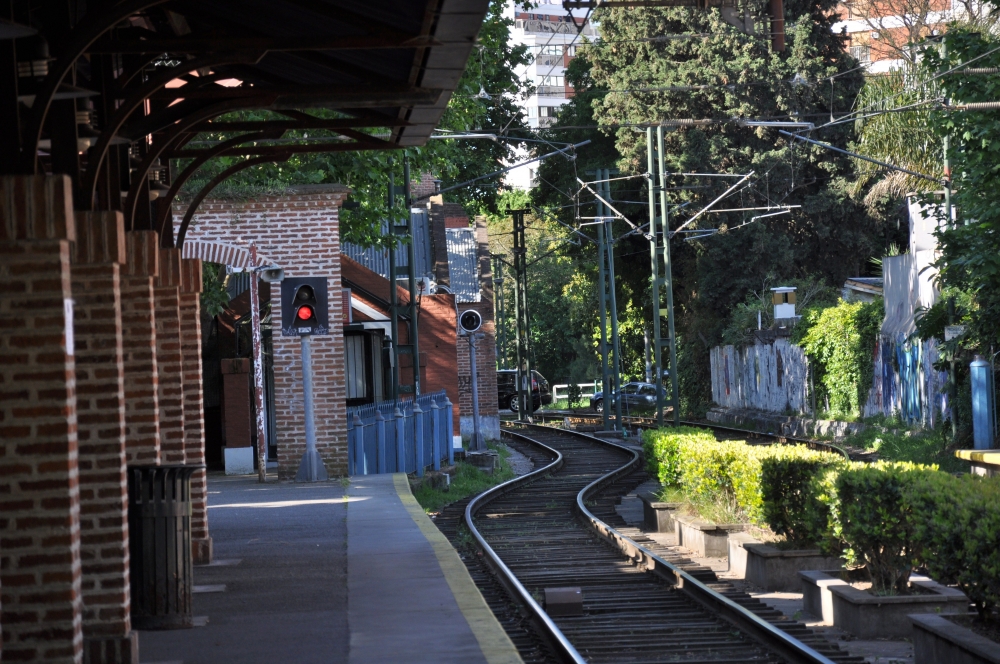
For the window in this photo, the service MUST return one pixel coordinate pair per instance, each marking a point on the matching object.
(532, 112)
(553, 81)
(631, 388)
(571, 50)
(548, 111)
(648, 390)
(550, 49)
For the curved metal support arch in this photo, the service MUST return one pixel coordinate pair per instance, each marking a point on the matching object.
(215, 182)
(177, 133)
(86, 33)
(186, 174)
(135, 100)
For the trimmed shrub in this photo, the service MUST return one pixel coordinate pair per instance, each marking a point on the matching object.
(662, 448)
(876, 521)
(957, 534)
(729, 469)
(788, 487)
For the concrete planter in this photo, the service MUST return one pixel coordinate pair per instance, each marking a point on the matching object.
(937, 639)
(657, 517)
(738, 553)
(776, 570)
(867, 616)
(704, 539)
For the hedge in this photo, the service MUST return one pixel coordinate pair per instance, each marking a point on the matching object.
(887, 516)
(957, 537)
(707, 469)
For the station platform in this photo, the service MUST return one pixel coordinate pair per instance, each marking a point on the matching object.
(329, 572)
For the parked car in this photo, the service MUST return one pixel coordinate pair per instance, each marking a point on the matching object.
(634, 396)
(541, 392)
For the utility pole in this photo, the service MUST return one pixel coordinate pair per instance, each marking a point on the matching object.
(393, 299)
(604, 186)
(524, 378)
(660, 247)
(410, 309)
(654, 249)
(602, 308)
(501, 313)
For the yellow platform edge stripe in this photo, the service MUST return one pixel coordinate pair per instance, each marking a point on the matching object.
(493, 641)
(979, 456)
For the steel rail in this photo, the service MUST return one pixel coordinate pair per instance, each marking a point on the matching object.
(758, 629)
(770, 636)
(764, 632)
(779, 438)
(556, 639)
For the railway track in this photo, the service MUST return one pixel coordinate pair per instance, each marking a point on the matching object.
(586, 422)
(557, 527)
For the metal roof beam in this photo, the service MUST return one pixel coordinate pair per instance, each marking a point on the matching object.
(214, 44)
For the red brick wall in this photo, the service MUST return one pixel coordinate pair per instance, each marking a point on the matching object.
(142, 415)
(189, 301)
(300, 233)
(98, 255)
(437, 335)
(39, 492)
(168, 357)
(486, 348)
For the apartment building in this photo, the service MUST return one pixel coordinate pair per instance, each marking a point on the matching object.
(552, 35)
(883, 32)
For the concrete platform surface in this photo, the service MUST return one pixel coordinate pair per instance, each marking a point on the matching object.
(329, 572)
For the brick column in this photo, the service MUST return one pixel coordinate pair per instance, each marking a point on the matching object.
(98, 255)
(39, 494)
(168, 357)
(194, 405)
(142, 414)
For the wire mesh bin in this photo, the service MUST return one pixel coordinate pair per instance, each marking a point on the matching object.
(159, 522)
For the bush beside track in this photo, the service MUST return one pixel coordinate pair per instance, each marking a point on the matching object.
(888, 516)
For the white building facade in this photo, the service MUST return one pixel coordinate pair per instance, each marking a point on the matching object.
(552, 36)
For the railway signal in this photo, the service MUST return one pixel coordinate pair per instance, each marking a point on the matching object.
(470, 321)
(304, 312)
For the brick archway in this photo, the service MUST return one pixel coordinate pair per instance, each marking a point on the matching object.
(221, 252)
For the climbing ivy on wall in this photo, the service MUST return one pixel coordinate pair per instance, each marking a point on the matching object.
(840, 343)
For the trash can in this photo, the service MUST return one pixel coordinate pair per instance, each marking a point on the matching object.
(159, 523)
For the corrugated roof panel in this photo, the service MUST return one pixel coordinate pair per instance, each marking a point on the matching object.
(377, 260)
(463, 264)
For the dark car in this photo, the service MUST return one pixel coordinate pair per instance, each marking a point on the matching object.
(634, 396)
(541, 393)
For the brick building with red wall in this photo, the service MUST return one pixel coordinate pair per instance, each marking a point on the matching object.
(299, 232)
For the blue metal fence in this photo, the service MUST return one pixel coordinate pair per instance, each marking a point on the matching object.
(404, 435)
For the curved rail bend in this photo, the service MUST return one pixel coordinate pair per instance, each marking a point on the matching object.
(782, 644)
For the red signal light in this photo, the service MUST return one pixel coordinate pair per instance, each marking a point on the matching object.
(304, 312)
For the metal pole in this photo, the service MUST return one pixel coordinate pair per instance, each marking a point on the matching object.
(669, 279)
(953, 388)
(524, 391)
(477, 441)
(602, 308)
(311, 468)
(258, 368)
(393, 299)
(654, 250)
(411, 259)
(498, 283)
(613, 299)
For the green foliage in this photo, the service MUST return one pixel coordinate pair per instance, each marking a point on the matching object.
(787, 488)
(877, 522)
(766, 484)
(662, 449)
(810, 292)
(214, 297)
(970, 251)
(956, 534)
(574, 395)
(468, 480)
(840, 341)
(919, 446)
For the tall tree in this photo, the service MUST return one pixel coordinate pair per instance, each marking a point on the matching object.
(679, 63)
